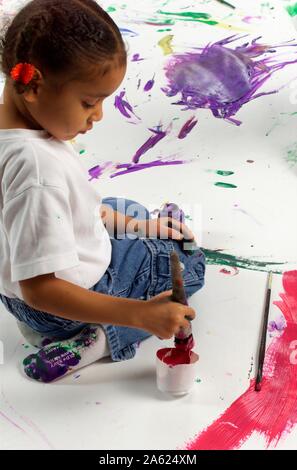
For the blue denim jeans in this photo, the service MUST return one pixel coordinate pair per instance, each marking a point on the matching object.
(139, 268)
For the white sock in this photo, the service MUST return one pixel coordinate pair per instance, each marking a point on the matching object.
(64, 357)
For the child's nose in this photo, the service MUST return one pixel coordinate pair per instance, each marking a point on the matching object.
(98, 114)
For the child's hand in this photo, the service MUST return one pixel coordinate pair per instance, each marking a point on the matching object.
(164, 318)
(165, 227)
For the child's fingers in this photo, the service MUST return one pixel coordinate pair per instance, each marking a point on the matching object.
(182, 228)
(175, 234)
(166, 293)
(190, 313)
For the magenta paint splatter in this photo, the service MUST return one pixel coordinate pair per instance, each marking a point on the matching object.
(223, 79)
(187, 127)
(233, 271)
(252, 19)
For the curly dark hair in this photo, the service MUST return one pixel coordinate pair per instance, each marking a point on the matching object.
(65, 39)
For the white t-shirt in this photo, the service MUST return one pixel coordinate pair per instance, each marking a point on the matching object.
(50, 220)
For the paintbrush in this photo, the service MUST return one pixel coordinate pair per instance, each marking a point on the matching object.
(186, 244)
(179, 295)
(261, 356)
(227, 4)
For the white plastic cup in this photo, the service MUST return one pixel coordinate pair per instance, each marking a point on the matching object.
(176, 380)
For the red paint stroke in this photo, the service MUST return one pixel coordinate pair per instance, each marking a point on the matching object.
(187, 127)
(181, 354)
(273, 411)
(229, 272)
(175, 357)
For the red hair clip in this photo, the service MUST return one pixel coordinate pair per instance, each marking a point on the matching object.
(23, 73)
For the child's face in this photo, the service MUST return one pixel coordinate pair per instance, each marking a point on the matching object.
(77, 107)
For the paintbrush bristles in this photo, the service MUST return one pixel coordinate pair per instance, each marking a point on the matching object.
(178, 292)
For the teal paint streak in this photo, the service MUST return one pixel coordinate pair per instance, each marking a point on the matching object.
(224, 259)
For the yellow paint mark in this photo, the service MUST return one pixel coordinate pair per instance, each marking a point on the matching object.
(230, 27)
(165, 44)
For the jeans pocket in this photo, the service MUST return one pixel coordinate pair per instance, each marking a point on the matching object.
(195, 273)
(163, 266)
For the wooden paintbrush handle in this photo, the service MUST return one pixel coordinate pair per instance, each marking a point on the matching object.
(178, 291)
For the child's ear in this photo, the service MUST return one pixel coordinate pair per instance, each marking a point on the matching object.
(31, 94)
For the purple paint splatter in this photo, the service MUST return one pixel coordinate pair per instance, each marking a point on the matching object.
(277, 326)
(141, 166)
(149, 85)
(136, 58)
(172, 210)
(223, 79)
(123, 106)
(151, 142)
(98, 170)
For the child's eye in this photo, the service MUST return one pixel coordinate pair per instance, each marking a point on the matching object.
(86, 105)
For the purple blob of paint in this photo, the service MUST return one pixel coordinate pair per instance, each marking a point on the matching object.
(277, 325)
(220, 78)
(170, 209)
(149, 85)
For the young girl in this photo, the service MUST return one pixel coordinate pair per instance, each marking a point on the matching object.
(78, 292)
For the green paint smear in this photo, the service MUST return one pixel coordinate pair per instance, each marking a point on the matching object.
(225, 185)
(292, 155)
(161, 22)
(191, 16)
(224, 259)
(224, 173)
(111, 9)
(82, 151)
(162, 30)
(292, 9)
